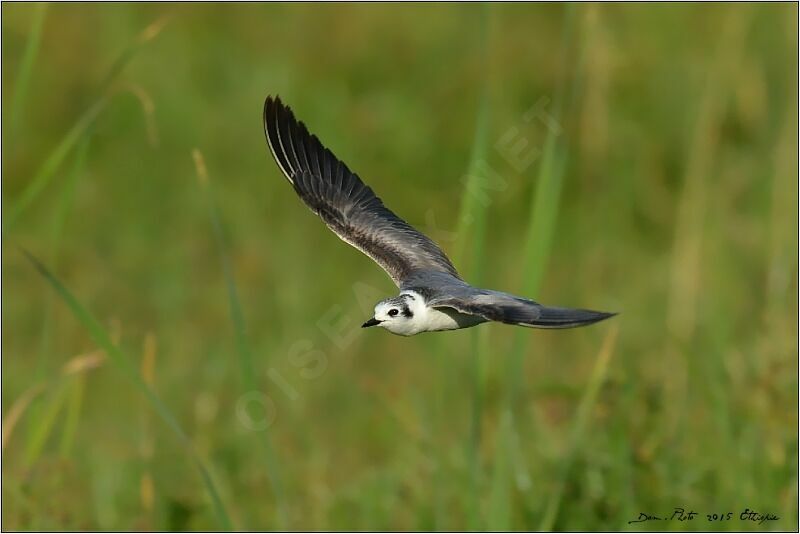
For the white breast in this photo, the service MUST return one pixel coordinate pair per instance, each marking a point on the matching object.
(425, 319)
(437, 320)
(448, 319)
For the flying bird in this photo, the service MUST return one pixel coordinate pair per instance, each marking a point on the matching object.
(433, 296)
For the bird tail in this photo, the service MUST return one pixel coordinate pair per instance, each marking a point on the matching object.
(566, 317)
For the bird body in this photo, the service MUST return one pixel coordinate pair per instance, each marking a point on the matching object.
(433, 296)
(416, 315)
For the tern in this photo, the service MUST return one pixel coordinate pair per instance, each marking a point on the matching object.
(433, 297)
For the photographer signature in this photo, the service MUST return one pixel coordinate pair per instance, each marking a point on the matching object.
(681, 514)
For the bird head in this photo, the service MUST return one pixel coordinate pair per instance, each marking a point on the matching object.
(399, 315)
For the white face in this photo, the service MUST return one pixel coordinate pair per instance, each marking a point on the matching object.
(401, 315)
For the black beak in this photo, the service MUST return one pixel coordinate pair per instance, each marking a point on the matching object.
(371, 322)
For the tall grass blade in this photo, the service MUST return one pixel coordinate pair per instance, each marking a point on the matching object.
(53, 162)
(237, 317)
(74, 403)
(145, 36)
(585, 406)
(16, 411)
(687, 255)
(103, 340)
(59, 218)
(544, 206)
(535, 253)
(74, 367)
(74, 397)
(65, 198)
(543, 216)
(471, 232)
(43, 424)
(26, 67)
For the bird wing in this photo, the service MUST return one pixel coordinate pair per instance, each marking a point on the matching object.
(344, 202)
(510, 309)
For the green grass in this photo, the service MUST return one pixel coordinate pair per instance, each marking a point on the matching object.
(103, 340)
(471, 236)
(39, 432)
(669, 195)
(582, 414)
(54, 159)
(249, 380)
(23, 79)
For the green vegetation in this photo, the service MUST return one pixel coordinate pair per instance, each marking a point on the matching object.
(630, 158)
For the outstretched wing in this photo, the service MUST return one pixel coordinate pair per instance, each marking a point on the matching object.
(344, 202)
(510, 309)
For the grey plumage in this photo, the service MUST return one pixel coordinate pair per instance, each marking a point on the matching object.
(442, 291)
(413, 261)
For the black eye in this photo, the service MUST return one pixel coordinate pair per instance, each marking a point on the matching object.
(392, 312)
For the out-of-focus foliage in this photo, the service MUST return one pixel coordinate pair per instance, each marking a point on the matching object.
(676, 204)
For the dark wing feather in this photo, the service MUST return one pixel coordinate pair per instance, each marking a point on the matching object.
(344, 202)
(510, 309)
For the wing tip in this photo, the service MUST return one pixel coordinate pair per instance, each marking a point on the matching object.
(269, 101)
(274, 112)
(269, 115)
(277, 117)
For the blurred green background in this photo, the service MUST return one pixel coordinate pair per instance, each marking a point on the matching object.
(659, 180)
